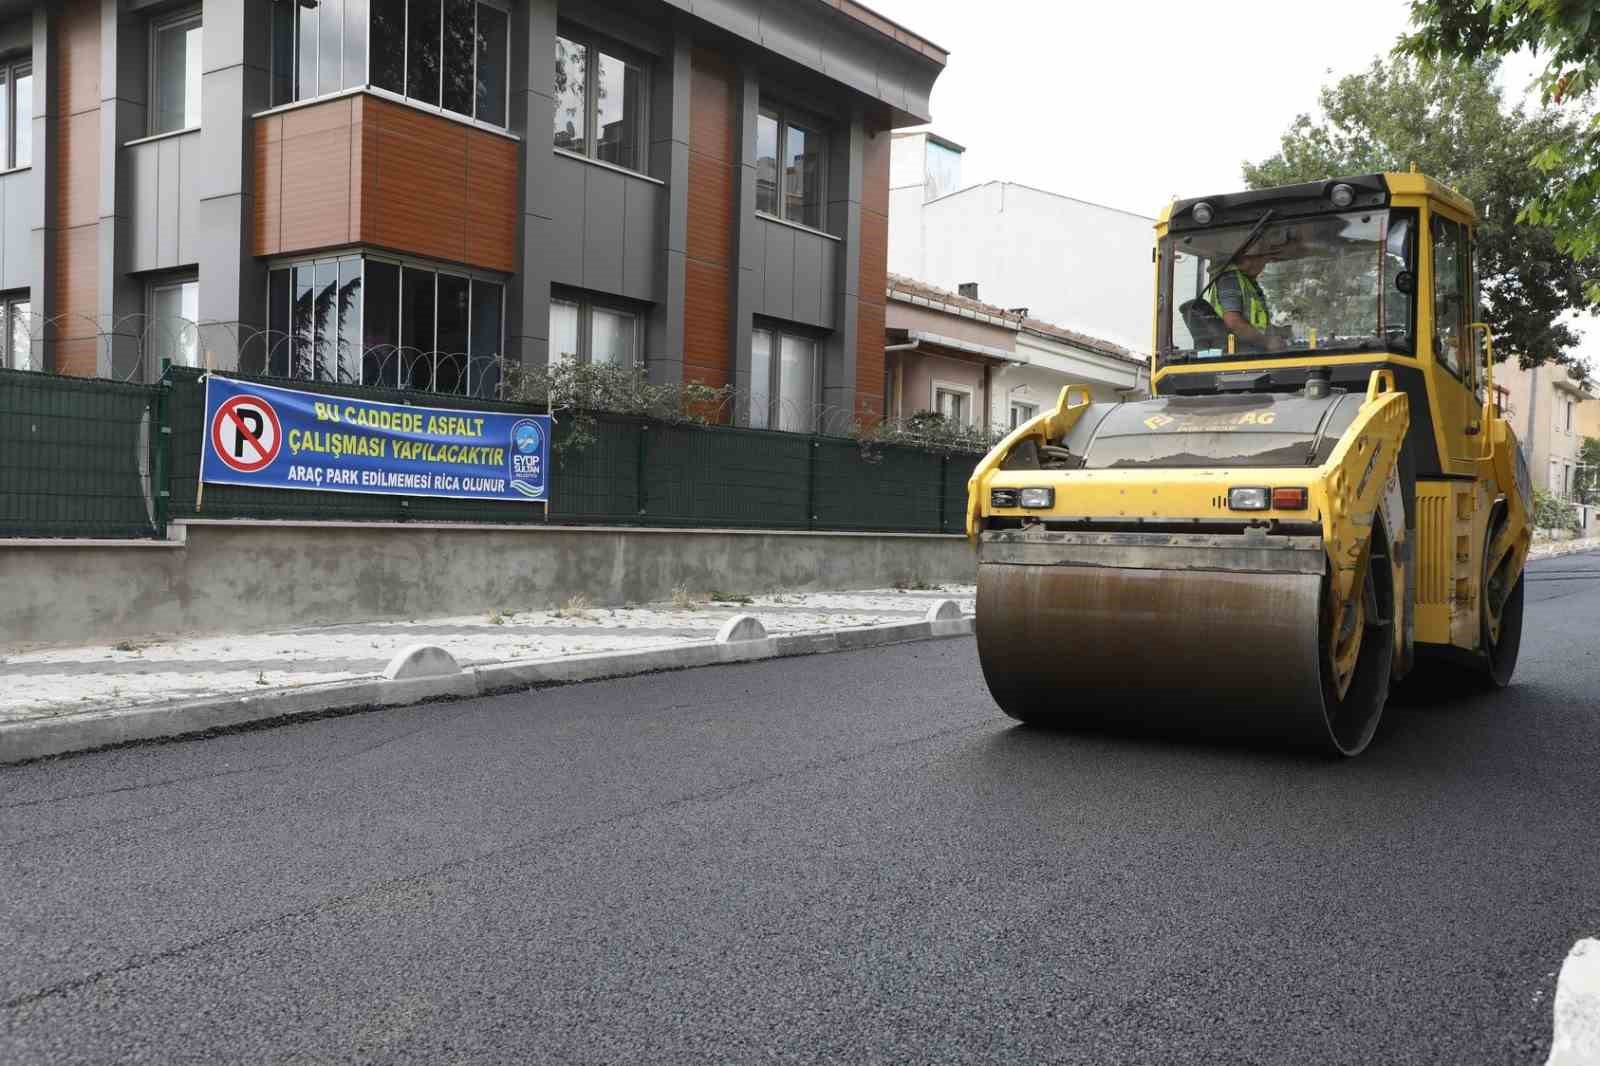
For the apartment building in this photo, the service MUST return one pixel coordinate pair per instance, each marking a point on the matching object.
(418, 193)
(1546, 407)
(1082, 266)
(987, 367)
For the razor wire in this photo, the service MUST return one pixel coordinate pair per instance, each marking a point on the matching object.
(137, 348)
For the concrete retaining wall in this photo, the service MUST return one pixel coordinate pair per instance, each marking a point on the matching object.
(232, 577)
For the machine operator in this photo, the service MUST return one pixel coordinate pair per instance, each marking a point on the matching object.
(1239, 300)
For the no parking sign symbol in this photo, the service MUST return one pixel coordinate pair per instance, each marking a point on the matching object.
(246, 433)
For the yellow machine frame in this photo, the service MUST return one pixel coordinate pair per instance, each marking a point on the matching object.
(1476, 447)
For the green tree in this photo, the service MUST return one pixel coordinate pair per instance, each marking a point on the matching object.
(1450, 120)
(1588, 490)
(1566, 33)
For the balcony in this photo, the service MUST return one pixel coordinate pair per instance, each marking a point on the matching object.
(362, 169)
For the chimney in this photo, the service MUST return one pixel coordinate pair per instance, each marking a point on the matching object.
(969, 289)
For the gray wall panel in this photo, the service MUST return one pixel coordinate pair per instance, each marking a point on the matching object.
(168, 172)
(796, 275)
(606, 230)
(564, 198)
(641, 240)
(191, 168)
(164, 188)
(602, 230)
(808, 253)
(16, 230)
(794, 31)
(143, 182)
(777, 288)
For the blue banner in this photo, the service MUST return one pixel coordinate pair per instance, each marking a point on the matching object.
(267, 437)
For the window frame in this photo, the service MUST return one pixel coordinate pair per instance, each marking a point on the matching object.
(776, 334)
(366, 85)
(9, 302)
(10, 71)
(594, 42)
(159, 283)
(403, 263)
(1031, 409)
(938, 385)
(586, 303)
(172, 20)
(788, 115)
(1463, 373)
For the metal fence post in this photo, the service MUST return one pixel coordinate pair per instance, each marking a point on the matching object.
(944, 471)
(163, 458)
(811, 484)
(638, 468)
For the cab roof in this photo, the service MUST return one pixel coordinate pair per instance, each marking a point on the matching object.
(1309, 198)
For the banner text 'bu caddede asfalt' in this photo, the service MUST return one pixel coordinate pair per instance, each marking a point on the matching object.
(269, 437)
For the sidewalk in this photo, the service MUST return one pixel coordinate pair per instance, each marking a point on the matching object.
(137, 690)
(1546, 549)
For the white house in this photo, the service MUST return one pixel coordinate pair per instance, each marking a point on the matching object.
(1080, 265)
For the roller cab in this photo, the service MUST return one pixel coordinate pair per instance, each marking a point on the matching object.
(1319, 497)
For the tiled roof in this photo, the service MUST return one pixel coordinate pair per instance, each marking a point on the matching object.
(913, 291)
(1082, 340)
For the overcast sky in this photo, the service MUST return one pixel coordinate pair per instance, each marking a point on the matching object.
(1130, 102)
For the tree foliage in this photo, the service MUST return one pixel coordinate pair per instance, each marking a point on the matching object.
(1450, 120)
(1566, 33)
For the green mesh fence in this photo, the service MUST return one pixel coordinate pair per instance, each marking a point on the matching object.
(78, 457)
(81, 458)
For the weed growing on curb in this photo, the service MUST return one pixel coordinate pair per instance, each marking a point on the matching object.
(915, 584)
(682, 598)
(723, 597)
(496, 618)
(575, 607)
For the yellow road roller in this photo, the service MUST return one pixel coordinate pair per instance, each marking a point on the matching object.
(1319, 498)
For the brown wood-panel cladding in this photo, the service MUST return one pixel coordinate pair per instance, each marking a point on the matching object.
(363, 170)
(74, 307)
(872, 289)
(708, 290)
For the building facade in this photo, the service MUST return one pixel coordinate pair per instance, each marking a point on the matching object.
(1547, 408)
(987, 368)
(1081, 266)
(418, 193)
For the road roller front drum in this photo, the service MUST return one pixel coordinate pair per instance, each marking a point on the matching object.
(1083, 642)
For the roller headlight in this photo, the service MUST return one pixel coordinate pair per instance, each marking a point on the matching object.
(1342, 195)
(1250, 499)
(1203, 213)
(1002, 497)
(1036, 499)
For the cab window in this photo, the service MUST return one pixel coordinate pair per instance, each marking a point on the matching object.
(1449, 294)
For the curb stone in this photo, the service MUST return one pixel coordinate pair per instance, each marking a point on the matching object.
(103, 728)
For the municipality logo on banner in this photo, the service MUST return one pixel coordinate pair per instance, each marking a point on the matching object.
(264, 436)
(528, 439)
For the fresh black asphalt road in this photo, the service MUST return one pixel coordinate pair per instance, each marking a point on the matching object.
(846, 858)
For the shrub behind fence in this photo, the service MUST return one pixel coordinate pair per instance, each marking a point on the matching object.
(83, 457)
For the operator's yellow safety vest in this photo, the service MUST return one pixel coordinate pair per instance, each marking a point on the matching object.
(1256, 312)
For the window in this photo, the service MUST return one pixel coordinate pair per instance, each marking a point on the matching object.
(954, 402)
(1449, 295)
(16, 115)
(175, 73)
(360, 320)
(1021, 412)
(788, 168)
(448, 54)
(783, 381)
(599, 94)
(16, 332)
(593, 333)
(171, 336)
